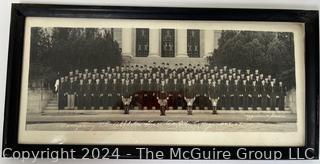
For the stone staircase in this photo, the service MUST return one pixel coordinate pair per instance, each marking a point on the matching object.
(159, 60)
(52, 104)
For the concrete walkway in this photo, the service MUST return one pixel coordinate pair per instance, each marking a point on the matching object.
(153, 116)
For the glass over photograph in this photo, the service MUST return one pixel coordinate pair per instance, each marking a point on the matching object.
(165, 79)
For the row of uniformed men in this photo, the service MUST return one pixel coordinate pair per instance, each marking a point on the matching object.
(228, 93)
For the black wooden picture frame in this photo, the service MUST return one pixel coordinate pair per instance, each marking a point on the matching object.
(15, 59)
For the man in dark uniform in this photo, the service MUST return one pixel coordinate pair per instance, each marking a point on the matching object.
(97, 94)
(273, 96)
(163, 98)
(236, 92)
(150, 91)
(127, 96)
(138, 91)
(254, 93)
(221, 95)
(71, 92)
(134, 82)
(281, 92)
(228, 95)
(115, 93)
(62, 94)
(183, 87)
(213, 91)
(156, 91)
(120, 91)
(196, 83)
(264, 94)
(176, 94)
(244, 94)
(107, 94)
(203, 93)
(189, 96)
(154, 68)
(88, 94)
(80, 94)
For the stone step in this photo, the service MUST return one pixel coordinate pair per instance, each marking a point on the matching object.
(51, 110)
(55, 108)
(52, 105)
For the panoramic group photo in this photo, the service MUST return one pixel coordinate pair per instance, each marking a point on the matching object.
(183, 78)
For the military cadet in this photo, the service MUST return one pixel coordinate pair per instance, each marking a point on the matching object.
(273, 96)
(93, 78)
(225, 68)
(107, 94)
(115, 94)
(120, 86)
(281, 92)
(150, 94)
(135, 91)
(189, 96)
(154, 68)
(269, 78)
(61, 94)
(230, 71)
(261, 77)
(162, 98)
(126, 96)
(80, 94)
(176, 94)
(156, 89)
(88, 94)
(236, 91)
(239, 72)
(248, 72)
(228, 95)
(70, 74)
(103, 71)
(254, 93)
(213, 91)
(245, 91)
(182, 88)
(76, 72)
(256, 73)
(66, 80)
(248, 80)
(203, 95)
(71, 94)
(86, 71)
(122, 69)
(145, 76)
(264, 94)
(97, 94)
(138, 91)
(242, 77)
(221, 95)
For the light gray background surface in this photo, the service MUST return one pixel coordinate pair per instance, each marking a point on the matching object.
(5, 8)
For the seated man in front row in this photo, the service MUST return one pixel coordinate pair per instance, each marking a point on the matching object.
(163, 98)
(127, 96)
(214, 92)
(189, 96)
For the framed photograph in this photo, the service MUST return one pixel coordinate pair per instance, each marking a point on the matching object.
(162, 83)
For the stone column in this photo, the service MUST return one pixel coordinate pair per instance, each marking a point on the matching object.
(127, 42)
(182, 43)
(208, 43)
(154, 43)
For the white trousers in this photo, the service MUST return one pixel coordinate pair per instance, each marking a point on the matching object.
(70, 99)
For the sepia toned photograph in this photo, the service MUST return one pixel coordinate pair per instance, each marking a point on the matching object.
(144, 79)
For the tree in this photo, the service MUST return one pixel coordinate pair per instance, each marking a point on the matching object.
(270, 52)
(59, 50)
